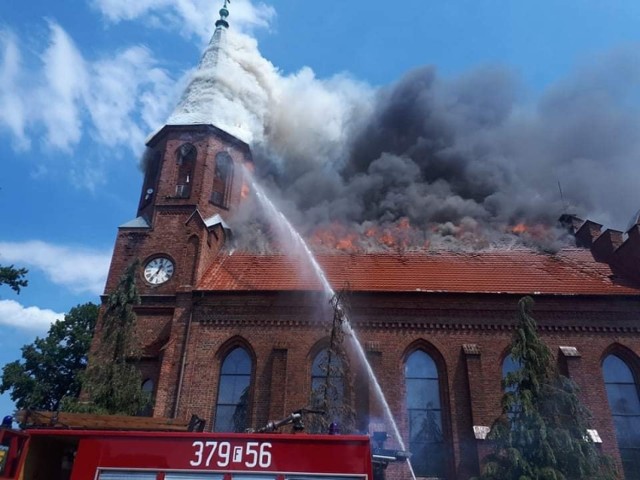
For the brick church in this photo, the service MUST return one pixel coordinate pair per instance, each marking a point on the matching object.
(237, 337)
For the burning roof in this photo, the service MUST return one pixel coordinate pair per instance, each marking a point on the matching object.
(420, 166)
(571, 271)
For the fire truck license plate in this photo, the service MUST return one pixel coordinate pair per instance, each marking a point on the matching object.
(223, 454)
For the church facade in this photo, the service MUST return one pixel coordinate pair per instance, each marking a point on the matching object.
(238, 338)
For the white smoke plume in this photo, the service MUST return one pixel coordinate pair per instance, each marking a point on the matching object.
(232, 88)
(455, 163)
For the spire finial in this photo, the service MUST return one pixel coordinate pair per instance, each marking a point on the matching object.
(224, 13)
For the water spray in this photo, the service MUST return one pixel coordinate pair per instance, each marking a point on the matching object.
(300, 243)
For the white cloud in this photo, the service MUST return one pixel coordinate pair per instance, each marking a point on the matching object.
(117, 99)
(28, 318)
(76, 268)
(66, 82)
(189, 17)
(120, 88)
(12, 109)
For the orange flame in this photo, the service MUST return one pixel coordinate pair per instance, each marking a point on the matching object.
(403, 224)
(347, 244)
(519, 228)
(399, 235)
(387, 239)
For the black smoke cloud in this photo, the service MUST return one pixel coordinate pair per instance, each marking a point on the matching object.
(469, 157)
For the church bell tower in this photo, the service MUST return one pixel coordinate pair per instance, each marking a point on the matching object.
(193, 181)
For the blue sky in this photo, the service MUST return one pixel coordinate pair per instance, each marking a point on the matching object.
(83, 82)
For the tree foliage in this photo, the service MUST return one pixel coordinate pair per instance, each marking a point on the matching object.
(13, 277)
(50, 367)
(112, 381)
(542, 432)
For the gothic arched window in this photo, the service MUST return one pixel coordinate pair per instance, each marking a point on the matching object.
(327, 379)
(624, 401)
(222, 180)
(510, 365)
(328, 394)
(232, 407)
(426, 439)
(186, 160)
(147, 388)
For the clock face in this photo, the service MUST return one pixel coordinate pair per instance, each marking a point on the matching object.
(158, 270)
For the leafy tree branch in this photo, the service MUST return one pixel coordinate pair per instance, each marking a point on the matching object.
(13, 277)
(51, 367)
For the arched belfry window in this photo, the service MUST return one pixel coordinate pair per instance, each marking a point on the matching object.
(222, 180)
(232, 407)
(186, 159)
(624, 402)
(424, 414)
(151, 161)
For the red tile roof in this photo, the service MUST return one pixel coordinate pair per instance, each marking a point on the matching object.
(571, 271)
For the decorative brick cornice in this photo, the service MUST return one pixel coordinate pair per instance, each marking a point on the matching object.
(135, 235)
(294, 320)
(265, 315)
(196, 132)
(165, 210)
(153, 310)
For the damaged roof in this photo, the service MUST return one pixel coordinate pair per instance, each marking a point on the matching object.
(571, 271)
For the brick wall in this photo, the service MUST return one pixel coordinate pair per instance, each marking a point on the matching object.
(466, 334)
(280, 331)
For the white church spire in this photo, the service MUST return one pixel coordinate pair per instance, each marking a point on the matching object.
(211, 55)
(208, 98)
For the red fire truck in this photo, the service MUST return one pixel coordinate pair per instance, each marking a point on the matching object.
(71, 454)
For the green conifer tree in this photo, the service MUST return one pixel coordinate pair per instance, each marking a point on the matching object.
(542, 432)
(112, 380)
